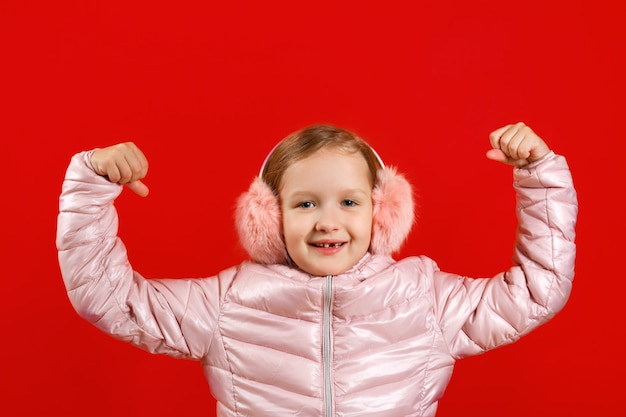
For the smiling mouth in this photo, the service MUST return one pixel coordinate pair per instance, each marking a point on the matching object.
(328, 245)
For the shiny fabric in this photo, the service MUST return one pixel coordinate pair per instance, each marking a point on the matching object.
(395, 327)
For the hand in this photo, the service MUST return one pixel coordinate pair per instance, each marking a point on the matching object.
(516, 145)
(123, 163)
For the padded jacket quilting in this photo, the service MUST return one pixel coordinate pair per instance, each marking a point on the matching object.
(379, 340)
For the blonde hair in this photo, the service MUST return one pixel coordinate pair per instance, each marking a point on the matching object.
(309, 140)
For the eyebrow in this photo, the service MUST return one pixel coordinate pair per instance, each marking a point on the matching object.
(350, 191)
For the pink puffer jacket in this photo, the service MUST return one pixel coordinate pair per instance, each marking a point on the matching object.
(380, 340)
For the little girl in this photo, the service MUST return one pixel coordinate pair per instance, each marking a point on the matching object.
(322, 321)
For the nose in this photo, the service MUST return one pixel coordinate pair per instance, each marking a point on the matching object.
(328, 220)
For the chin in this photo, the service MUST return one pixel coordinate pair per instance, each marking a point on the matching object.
(324, 266)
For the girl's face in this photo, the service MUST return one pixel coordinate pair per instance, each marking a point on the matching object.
(326, 203)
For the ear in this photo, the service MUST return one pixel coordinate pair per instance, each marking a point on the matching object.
(259, 224)
(393, 214)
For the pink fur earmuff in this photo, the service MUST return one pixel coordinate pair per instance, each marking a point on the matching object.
(259, 221)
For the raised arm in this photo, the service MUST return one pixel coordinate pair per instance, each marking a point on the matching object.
(174, 316)
(480, 314)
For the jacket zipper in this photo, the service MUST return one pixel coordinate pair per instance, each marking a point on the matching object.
(326, 347)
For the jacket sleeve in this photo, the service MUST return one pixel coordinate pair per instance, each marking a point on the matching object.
(170, 316)
(476, 315)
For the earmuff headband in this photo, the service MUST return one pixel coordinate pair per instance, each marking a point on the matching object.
(378, 158)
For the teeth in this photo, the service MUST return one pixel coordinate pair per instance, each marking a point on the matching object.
(329, 245)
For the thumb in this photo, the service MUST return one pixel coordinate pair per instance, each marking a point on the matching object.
(497, 155)
(138, 188)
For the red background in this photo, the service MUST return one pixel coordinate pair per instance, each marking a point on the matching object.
(207, 88)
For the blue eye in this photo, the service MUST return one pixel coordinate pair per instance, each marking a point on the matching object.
(305, 204)
(349, 203)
